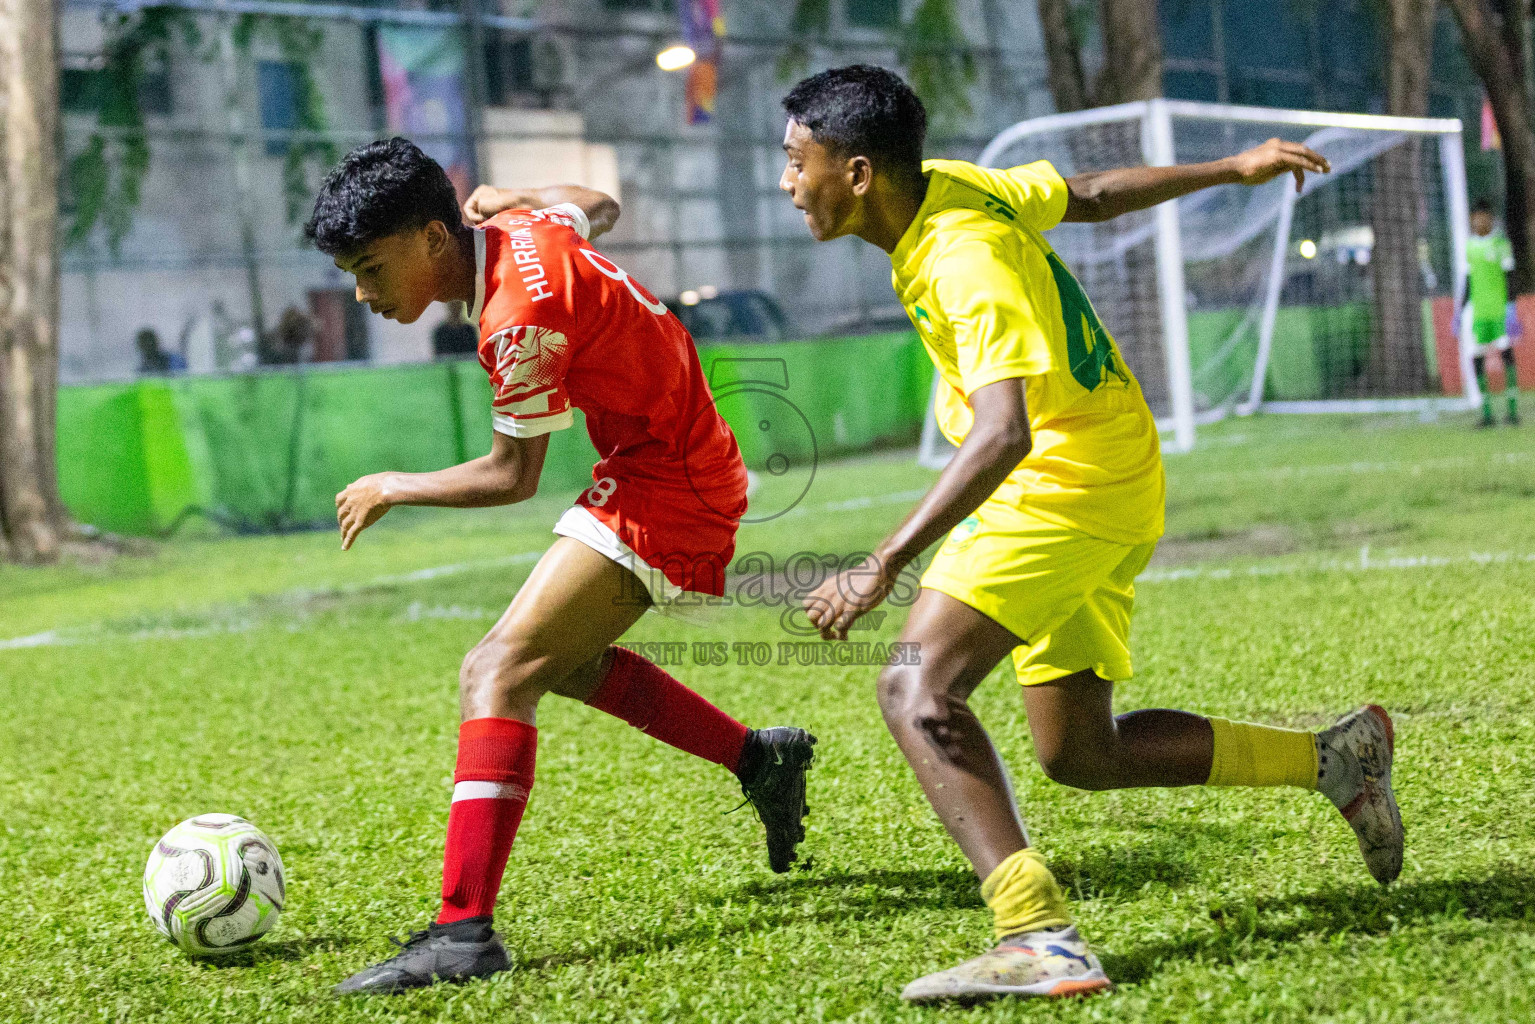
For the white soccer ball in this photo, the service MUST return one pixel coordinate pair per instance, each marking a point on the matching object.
(214, 884)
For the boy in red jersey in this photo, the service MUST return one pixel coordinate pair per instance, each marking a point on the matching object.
(561, 327)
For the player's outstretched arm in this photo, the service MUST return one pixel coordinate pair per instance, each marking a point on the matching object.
(1103, 195)
(507, 475)
(998, 440)
(601, 209)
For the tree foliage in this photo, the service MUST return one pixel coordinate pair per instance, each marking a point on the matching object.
(939, 61)
(105, 177)
(299, 40)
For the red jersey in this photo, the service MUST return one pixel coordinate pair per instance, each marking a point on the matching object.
(562, 326)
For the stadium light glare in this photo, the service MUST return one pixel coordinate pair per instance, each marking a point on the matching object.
(707, 291)
(675, 58)
(689, 298)
(1307, 249)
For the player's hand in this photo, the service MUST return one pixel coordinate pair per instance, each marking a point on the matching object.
(1275, 157)
(485, 202)
(362, 504)
(839, 602)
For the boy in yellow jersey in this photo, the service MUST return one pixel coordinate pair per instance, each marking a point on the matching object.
(1052, 505)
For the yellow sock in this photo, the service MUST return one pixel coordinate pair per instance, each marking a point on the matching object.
(1261, 755)
(1023, 896)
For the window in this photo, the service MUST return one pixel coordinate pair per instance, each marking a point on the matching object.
(81, 90)
(280, 92)
(873, 13)
(88, 90)
(508, 68)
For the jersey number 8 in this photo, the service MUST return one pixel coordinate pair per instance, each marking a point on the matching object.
(607, 268)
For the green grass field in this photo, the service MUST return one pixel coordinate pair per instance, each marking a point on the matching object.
(1310, 565)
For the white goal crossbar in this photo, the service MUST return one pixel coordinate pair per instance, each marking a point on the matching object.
(1369, 135)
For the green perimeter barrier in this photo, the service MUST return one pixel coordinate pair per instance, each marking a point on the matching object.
(272, 449)
(1318, 351)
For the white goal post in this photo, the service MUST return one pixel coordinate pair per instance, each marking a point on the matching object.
(1236, 300)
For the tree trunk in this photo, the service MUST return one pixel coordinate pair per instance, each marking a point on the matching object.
(1398, 365)
(1132, 70)
(1063, 52)
(32, 518)
(1493, 38)
(1517, 208)
(1132, 52)
(1124, 293)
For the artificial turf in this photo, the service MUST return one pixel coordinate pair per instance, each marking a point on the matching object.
(1311, 565)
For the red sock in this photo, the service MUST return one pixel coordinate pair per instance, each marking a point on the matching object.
(643, 695)
(490, 791)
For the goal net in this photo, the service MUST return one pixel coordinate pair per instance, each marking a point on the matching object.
(1238, 299)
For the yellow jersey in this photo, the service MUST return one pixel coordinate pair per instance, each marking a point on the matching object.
(991, 301)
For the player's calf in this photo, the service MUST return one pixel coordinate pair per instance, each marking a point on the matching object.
(1079, 742)
(1092, 770)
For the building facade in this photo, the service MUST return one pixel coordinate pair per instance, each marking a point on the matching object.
(194, 194)
(241, 112)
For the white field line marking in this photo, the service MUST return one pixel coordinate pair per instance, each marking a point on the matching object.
(81, 634)
(1363, 563)
(48, 638)
(1352, 468)
(53, 637)
(418, 611)
(436, 571)
(97, 632)
(870, 500)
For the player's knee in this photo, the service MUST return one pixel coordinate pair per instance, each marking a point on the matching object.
(476, 672)
(897, 689)
(493, 669)
(910, 697)
(1074, 766)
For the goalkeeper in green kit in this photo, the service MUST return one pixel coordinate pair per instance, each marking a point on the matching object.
(1488, 322)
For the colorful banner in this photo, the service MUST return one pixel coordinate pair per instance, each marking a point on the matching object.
(423, 71)
(703, 26)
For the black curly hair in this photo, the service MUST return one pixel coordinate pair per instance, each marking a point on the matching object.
(376, 190)
(863, 110)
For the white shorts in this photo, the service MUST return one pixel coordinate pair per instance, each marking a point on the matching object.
(579, 524)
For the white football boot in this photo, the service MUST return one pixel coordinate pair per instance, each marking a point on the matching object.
(1354, 770)
(1053, 963)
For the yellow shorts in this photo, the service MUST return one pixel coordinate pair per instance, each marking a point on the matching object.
(1068, 596)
